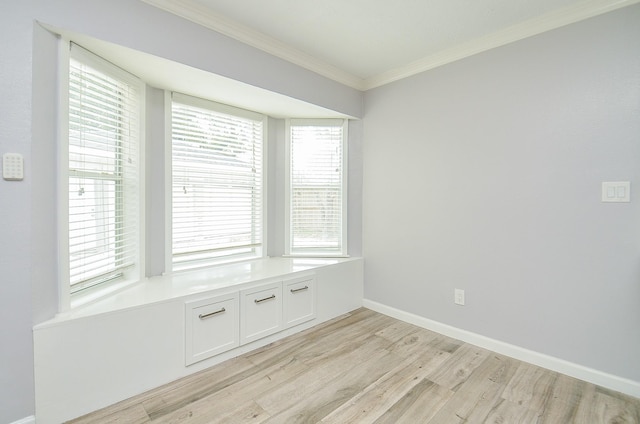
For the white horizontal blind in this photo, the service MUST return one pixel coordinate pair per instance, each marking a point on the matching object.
(316, 187)
(217, 175)
(104, 119)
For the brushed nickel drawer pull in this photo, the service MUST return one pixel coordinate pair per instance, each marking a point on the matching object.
(273, 296)
(210, 314)
(300, 289)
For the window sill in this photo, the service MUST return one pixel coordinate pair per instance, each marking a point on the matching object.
(94, 294)
(186, 283)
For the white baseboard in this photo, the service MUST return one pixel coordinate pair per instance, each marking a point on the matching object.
(26, 420)
(590, 375)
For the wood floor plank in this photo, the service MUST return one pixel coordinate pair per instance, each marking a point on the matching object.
(474, 400)
(331, 367)
(562, 406)
(248, 412)
(349, 332)
(260, 382)
(418, 341)
(342, 342)
(418, 405)
(365, 367)
(189, 390)
(373, 401)
(604, 408)
(506, 411)
(397, 330)
(459, 367)
(307, 336)
(631, 404)
(133, 414)
(531, 387)
(336, 392)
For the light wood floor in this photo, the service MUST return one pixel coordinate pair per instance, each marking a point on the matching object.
(369, 368)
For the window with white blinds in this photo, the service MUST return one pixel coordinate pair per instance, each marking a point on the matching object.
(217, 183)
(317, 187)
(104, 171)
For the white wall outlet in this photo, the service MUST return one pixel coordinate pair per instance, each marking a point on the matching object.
(458, 297)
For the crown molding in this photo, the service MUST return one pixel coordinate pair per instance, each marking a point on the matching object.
(547, 22)
(206, 17)
(194, 12)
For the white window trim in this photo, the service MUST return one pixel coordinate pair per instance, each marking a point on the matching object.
(287, 195)
(67, 300)
(222, 108)
(168, 185)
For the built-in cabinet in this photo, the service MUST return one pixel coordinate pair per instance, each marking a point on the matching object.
(260, 312)
(299, 297)
(221, 323)
(212, 327)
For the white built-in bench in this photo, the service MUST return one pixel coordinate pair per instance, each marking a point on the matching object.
(168, 327)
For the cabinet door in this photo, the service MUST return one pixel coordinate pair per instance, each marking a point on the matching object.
(211, 327)
(261, 312)
(299, 301)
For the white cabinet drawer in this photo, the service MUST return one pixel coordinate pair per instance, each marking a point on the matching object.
(212, 327)
(261, 312)
(299, 300)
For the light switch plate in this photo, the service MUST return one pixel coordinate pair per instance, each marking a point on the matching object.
(616, 191)
(12, 167)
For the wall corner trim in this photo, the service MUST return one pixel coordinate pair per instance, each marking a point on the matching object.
(571, 369)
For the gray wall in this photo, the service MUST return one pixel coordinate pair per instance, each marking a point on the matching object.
(16, 357)
(485, 175)
(28, 116)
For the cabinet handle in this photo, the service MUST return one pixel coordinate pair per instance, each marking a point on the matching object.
(300, 289)
(210, 314)
(273, 296)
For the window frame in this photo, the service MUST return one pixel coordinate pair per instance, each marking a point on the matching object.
(68, 297)
(261, 251)
(342, 251)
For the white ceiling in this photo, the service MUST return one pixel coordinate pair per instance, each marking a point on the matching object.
(367, 43)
